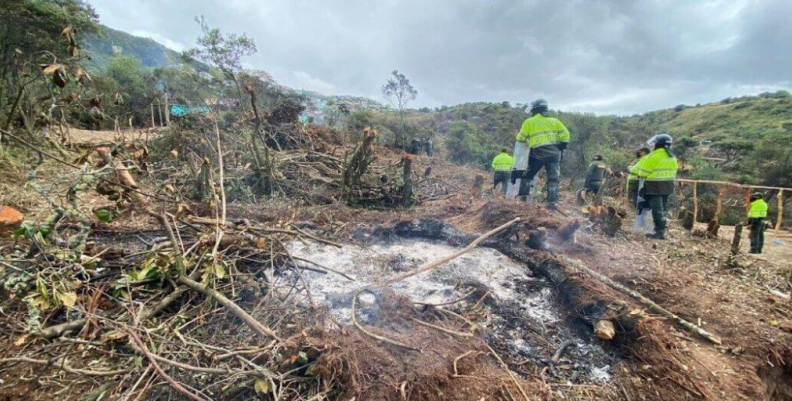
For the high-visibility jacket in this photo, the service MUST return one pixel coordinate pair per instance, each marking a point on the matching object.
(632, 179)
(596, 172)
(658, 170)
(538, 131)
(502, 162)
(758, 209)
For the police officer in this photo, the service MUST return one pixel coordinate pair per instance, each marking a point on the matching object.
(656, 174)
(757, 221)
(546, 137)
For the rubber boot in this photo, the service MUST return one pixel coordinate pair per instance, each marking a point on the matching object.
(659, 235)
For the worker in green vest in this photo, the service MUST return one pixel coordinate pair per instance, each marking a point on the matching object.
(656, 177)
(632, 179)
(502, 165)
(595, 175)
(545, 138)
(757, 220)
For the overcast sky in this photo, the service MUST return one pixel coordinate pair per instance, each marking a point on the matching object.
(604, 56)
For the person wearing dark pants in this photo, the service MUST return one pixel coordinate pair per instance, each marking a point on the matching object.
(658, 171)
(551, 164)
(546, 137)
(757, 221)
(502, 165)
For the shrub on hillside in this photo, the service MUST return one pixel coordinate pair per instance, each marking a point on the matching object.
(465, 143)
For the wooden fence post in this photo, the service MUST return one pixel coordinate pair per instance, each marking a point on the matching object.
(780, 218)
(167, 110)
(152, 116)
(747, 200)
(695, 203)
(719, 206)
(159, 113)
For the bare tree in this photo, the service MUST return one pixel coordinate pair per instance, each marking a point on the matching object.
(399, 92)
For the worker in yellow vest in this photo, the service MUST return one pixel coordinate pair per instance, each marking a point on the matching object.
(757, 220)
(545, 139)
(502, 165)
(656, 177)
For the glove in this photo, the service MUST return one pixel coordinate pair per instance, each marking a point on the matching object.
(562, 146)
(643, 205)
(515, 175)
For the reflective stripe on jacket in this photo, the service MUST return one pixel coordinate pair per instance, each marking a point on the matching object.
(659, 170)
(502, 162)
(758, 209)
(539, 131)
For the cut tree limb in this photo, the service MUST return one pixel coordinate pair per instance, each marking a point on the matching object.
(644, 300)
(257, 326)
(437, 263)
(123, 174)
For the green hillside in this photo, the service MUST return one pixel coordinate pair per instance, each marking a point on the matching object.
(109, 43)
(746, 139)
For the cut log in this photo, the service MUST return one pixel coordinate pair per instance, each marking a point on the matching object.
(605, 330)
(644, 300)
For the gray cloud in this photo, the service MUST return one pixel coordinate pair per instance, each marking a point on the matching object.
(605, 56)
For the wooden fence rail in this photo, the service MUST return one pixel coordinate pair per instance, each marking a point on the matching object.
(747, 188)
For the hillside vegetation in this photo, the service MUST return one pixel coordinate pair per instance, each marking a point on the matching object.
(107, 43)
(742, 139)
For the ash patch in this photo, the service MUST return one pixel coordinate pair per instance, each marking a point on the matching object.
(516, 310)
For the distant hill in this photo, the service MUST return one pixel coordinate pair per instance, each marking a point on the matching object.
(103, 46)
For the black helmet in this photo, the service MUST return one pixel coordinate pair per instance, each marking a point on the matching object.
(539, 105)
(663, 140)
(597, 157)
(756, 196)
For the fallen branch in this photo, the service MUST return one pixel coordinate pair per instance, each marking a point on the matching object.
(159, 370)
(323, 267)
(65, 367)
(511, 375)
(442, 261)
(443, 329)
(644, 300)
(257, 326)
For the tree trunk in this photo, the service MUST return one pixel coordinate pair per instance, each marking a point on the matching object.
(735, 247)
(407, 188)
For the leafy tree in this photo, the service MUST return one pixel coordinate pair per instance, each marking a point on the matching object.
(35, 33)
(222, 51)
(735, 149)
(400, 92)
(773, 158)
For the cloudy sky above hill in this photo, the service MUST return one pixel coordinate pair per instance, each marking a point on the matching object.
(603, 56)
